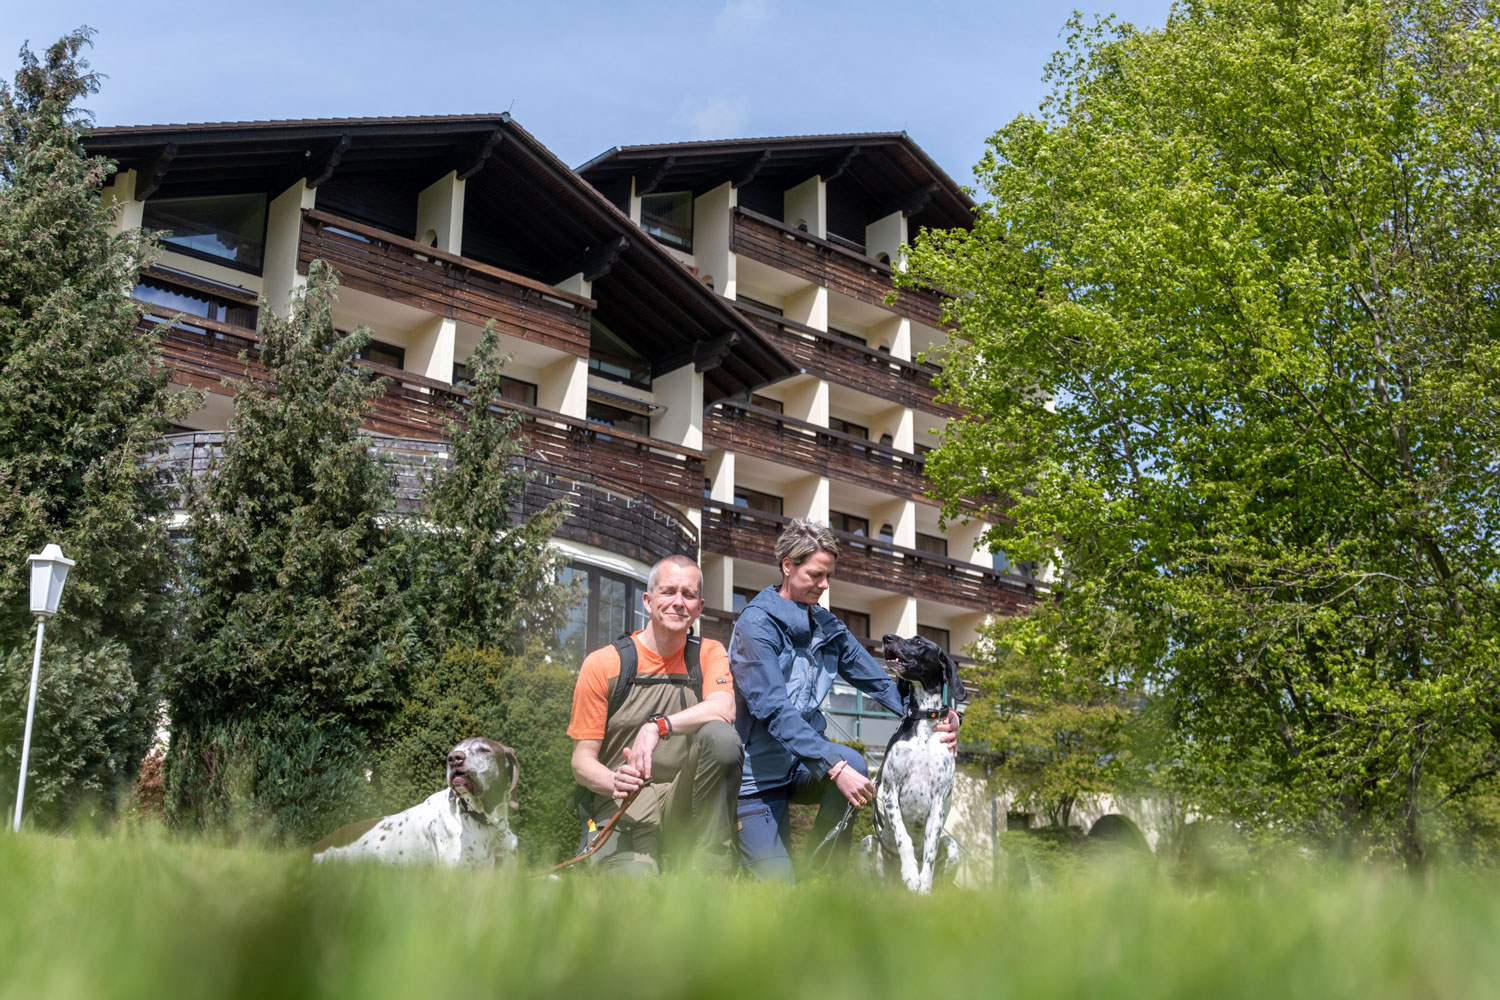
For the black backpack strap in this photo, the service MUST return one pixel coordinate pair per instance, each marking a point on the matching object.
(625, 646)
(695, 669)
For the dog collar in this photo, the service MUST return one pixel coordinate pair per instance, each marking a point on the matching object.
(928, 714)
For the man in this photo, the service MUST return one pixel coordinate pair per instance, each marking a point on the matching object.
(672, 739)
(784, 654)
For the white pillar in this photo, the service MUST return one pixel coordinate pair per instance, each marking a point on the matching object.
(887, 236)
(279, 277)
(440, 213)
(120, 196)
(431, 347)
(563, 387)
(806, 205)
(713, 218)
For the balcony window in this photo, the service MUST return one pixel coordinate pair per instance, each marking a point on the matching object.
(857, 622)
(1024, 567)
(765, 503)
(941, 636)
(935, 545)
(612, 358)
(848, 427)
(669, 217)
(741, 597)
(839, 521)
(512, 389)
(847, 335)
(175, 299)
(765, 306)
(620, 419)
(229, 228)
(380, 353)
(766, 403)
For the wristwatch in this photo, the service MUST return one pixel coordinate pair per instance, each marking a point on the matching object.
(663, 726)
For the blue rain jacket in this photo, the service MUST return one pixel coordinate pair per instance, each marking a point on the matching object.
(784, 657)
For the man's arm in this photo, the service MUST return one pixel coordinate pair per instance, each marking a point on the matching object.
(591, 773)
(717, 706)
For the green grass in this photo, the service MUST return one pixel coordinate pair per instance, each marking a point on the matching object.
(143, 916)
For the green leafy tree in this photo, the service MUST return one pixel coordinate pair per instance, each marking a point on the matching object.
(83, 403)
(297, 629)
(1229, 349)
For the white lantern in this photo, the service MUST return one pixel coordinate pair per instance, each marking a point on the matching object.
(49, 571)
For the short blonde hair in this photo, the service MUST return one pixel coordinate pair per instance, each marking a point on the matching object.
(801, 538)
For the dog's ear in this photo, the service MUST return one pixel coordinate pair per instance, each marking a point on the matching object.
(955, 686)
(515, 773)
(903, 689)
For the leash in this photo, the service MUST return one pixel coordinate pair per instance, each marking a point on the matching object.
(605, 832)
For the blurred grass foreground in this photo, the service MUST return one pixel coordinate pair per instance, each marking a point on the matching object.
(140, 915)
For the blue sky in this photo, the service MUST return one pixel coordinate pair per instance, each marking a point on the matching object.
(583, 76)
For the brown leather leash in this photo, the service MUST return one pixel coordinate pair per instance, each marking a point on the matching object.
(605, 832)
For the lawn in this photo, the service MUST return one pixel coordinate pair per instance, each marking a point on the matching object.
(141, 915)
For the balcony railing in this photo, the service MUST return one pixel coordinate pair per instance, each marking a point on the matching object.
(826, 263)
(202, 354)
(429, 279)
(747, 534)
(752, 430)
(601, 512)
(849, 363)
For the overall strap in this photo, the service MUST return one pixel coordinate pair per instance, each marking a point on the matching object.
(625, 646)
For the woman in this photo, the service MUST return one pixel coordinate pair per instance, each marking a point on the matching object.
(784, 654)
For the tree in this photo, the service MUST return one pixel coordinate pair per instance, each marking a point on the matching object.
(297, 632)
(1227, 340)
(83, 403)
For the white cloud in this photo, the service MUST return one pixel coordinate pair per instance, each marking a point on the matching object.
(739, 17)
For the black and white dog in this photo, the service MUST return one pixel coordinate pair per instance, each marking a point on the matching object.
(915, 783)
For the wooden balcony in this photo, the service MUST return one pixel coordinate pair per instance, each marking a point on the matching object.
(751, 430)
(747, 534)
(401, 270)
(849, 363)
(823, 262)
(202, 354)
(602, 512)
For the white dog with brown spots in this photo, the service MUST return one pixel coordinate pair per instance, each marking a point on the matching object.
(467, 824)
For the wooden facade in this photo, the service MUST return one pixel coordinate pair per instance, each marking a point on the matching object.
(751, 430)
(746, 534)
(851, 364)
(601, 511)
(822, 262)
(382, 264)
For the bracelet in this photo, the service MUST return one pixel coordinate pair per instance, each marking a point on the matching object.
(833, 772)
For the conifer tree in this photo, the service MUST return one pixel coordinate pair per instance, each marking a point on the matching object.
(83, 404)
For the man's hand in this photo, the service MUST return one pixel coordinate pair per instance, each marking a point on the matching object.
(627, 779)
(638, 754)
(858, 789)
(947, 731)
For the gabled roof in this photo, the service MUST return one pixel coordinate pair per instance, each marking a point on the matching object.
(888, 170)
(533, 214)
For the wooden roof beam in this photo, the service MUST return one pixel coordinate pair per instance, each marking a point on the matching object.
(594, 263)
(154, 172)
(747, 171)
(709, 354)
(907, 204)
(482, 154)
(321, 168)
(656, 176)
(834, 167)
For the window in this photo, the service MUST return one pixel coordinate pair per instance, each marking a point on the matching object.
(757, 303)
(1017, 822)
(380, 353)
(856, 622)
(935, 545)
(611, 605)
(886, 533)
(1003, 564)
(669, 217)
(840, 424)
(229, 228)
(512, 389)
(767, 403)
(195, 302)
(766, 503)
(741, 597)
(614, 416)
(853, 715)
(839, 521)
(941, 636)
(612, 358)
(847, 335)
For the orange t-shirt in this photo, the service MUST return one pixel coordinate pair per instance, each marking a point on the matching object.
(591, 693)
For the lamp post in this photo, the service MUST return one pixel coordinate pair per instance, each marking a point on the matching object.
(49, 571)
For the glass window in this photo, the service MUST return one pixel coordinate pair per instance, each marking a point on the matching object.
(611, 606)
(512, 389)
(840, 424)
(614, 416)
(230, 228)
(195, 302)
(612, 358)
(742, 597)
(940, 636)
(669, 217)
(933, 544)
(847, 335)
(839, 521)
(759, 304)
(381, 353)
(857, 622)
(767, 403)
(766, 503)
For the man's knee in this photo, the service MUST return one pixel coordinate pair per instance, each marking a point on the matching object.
(718, 745)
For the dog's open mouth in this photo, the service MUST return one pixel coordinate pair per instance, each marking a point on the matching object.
(460, 780)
